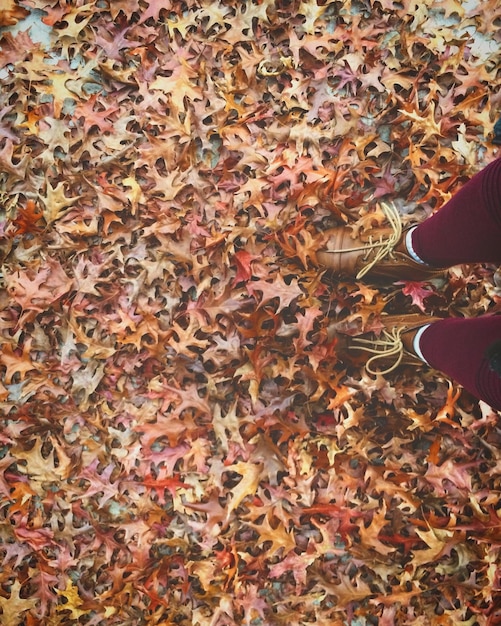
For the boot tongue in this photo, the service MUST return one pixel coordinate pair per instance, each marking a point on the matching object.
(407, 338)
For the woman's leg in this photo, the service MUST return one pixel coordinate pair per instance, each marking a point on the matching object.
(467, 350)
(467, 229)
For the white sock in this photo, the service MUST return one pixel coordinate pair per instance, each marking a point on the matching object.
(415, 344)
(410, 249)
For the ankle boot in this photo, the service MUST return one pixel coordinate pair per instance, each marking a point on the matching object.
(393, 347)
(380, 254)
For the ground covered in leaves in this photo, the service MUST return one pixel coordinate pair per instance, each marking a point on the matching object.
(180, 442)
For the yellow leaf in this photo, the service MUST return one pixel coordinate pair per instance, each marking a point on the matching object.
(436, 540)
(56, 203)
(369, 536)
(43, 468)
(73, 600)
(76, 19)
(279, 537)
(94, 349)
(467, 149)
(136, 195)
(59, 91)
(424, 122)
(178, 86)
(251, 474)
(226, 428)
(312, 12)
(182, 23)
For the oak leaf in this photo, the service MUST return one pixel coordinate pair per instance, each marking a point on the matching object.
(227, 427)
(86, 380)
(39, 288)
(311, 13)
(251, 474)
(278, 288)
(72, 600)
(295, 564)
(370, 534)
(437, 541)
(243, 260)
(73, 20)
(12, 162)
(346, 591)
(424, 122)
(46, 582)
(418, 291)
(276, 534)
(41, 466)
(14, 607)
(179, 86)
(27, 219)
(467, 149)
(94, 116)
(17, 361)
(56, 203)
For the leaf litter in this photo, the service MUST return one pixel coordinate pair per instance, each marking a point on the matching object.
(181, 442)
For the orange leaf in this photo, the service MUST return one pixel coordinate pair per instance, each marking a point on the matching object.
(433, 455)
(16, 361)
(27, 218)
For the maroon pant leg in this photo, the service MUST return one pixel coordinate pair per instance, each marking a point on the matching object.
(467, 229)
(457, 347)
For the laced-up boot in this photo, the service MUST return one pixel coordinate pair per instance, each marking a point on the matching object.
(393, 347)
(380, 254)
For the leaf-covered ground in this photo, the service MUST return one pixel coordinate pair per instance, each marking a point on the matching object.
(180, 442)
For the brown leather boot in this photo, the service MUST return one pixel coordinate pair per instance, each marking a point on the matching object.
(393, 347)
(380, 254)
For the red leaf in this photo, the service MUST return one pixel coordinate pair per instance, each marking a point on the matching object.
(417, 291)
(27, 219)
(243, 260)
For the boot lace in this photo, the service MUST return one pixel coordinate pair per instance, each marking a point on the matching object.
(388, 345)
(383, 247)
